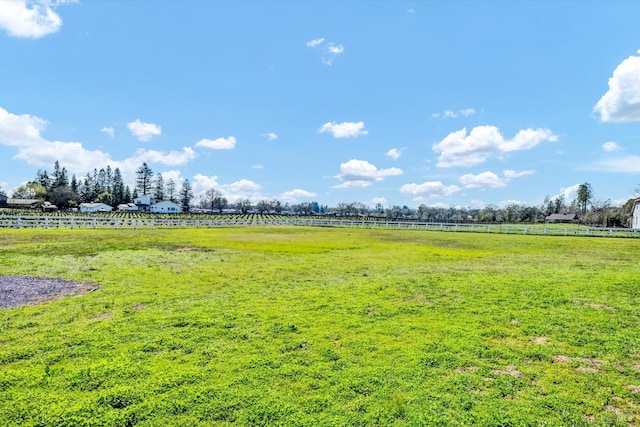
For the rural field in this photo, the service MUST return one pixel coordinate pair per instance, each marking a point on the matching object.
(298, 326)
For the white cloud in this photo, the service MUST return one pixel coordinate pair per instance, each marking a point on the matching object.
(315, 42)
(511, 174)
(294, 195)
(468, 112)
(411, 11)
(257, 167)
(506, 203)
(23, 132)
(202, 183)
(144, 131)
(462, 149)
(344, 129)
(489, 179)
(360, 174)
(242, 189)
(30, 19)
(271, 136)
(448, 114)
(477, 204)
(430, 203)
(483, 180)
(626, 164)
(173, 174)
(430, 188)
(394, 153)
(377, 200)
(109, 131)
(172, 158)
(218, 144)
(621, 103)
(610, 146)
(569, 193)
(335, 49)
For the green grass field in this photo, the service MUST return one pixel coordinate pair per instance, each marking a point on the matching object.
(322, 327)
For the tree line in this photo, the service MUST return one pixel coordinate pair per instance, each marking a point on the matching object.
(106, 186)
(100, 186)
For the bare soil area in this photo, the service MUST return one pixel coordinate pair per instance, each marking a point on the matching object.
(20, 290)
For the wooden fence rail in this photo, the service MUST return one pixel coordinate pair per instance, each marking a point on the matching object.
(12, 221)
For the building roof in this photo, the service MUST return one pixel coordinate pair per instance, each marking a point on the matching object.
(22, 202)
(93, 205)
(164, 202)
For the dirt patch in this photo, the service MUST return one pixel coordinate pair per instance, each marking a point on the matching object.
(587, 369)
(511, 370)
(541, 340)
(419, 298)
(21, 290)
(103, 316)
(468, 369)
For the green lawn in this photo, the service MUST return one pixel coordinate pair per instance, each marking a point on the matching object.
(322, 327)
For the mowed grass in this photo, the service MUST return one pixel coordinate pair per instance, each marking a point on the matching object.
(322, 327)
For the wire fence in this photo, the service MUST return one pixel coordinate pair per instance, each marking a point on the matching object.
(102, 222)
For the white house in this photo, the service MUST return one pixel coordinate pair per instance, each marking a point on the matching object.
(165, 206)
(95, 207)
(144, 202)
(635, 221)
(127, 207)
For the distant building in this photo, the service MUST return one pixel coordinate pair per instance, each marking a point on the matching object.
(23, 203)
(95, 207)
(562, 218)
(144, 202)
(49, 207)
(127, 207)
(635, 220)
(165, 206)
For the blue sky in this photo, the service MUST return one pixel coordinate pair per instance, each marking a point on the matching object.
(442, 103)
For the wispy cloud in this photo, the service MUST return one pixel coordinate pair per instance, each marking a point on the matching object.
(271, 136)
(625, 164)
(450, 114)
(315, 42)
(329, 50)
(109, 131)
(610, 146)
